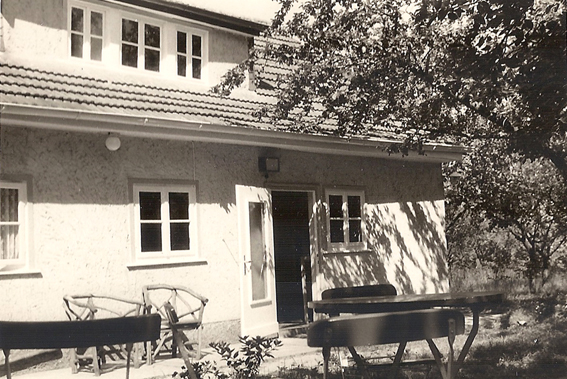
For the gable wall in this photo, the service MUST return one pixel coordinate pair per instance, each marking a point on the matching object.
(81, 218)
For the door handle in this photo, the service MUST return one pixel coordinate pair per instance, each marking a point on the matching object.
(246, 265)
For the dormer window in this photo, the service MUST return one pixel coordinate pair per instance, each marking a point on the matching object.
(86, 32)
(130, 39)
(141, 52)
(189, 54)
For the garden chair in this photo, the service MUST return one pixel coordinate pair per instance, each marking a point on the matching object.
(91, 307)
(181, 309)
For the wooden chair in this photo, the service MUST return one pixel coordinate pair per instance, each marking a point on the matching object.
(180, 309)
(91, 307)
(359, 291)
(386, 328)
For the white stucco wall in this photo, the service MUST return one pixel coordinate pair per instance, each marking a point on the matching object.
(81, 218)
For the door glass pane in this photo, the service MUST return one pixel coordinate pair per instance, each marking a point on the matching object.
(150, 206)
(257, 251)
(151, 237)
(179, 237)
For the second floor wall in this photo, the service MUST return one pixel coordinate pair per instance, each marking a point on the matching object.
(109, 36)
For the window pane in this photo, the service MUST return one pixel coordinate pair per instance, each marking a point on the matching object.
(257, 251)
(151, 237)
(354, 206)
(336, 205)
(96, 24)
(130, 55)
(96, 49)
(354, 231)
(9, 204)
(196, 68)
(196, 44)
(129, 31)
(150, 206)
(9, 242)
(337, 231)
(77, 20)
(179, 206)
(151, 59)
(181, 65)
(179, 236)
(151, 35)
(182, 42)
(76, 45)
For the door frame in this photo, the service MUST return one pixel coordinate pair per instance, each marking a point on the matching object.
(314, 203)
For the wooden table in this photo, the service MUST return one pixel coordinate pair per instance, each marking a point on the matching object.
(475, 301)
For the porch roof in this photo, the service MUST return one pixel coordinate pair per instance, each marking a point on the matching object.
(50, 98)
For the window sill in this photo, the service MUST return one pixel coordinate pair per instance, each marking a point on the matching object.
(20, 273)
(163, 263)
(348, 252)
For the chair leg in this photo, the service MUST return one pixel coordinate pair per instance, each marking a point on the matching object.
(96, 366)
(199, 337)
(74, 361)
(129, 347)
(326, 356)
(7, 363)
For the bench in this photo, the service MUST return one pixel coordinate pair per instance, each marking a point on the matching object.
(386, 328)
(77, 334)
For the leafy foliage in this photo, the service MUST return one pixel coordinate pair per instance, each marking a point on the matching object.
(243, 364)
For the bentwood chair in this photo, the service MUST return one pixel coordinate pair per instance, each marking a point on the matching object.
(181, 309)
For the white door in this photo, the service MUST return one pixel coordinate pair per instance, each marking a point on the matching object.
(256, 247)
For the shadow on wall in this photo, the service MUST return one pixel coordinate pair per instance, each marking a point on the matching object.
(406, 243)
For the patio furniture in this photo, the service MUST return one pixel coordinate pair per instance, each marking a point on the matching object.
(90, 307)
(77, 334)
(359, 291)
(475, 301)
(386, 328)
(181, 309)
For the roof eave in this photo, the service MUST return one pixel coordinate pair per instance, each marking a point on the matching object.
(201, 15)
(186, 130)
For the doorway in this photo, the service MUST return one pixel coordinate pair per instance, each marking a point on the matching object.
(291, 214)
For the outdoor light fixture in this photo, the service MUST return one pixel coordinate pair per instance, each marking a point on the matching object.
(268, 164)
(112, 142)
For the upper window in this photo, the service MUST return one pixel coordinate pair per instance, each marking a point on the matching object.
(86, 28)
(189, 54)
(13, 243)
(165, 221)
(345, 220)
(141, 45)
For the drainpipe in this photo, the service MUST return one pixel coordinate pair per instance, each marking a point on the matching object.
(1, 29)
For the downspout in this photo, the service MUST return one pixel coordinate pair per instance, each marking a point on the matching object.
(1, 29)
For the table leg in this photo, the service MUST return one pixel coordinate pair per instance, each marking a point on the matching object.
(326, 356)
(7, 363)
(398, 359)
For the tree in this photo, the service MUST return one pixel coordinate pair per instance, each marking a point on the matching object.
(429, 69)
(508, 193)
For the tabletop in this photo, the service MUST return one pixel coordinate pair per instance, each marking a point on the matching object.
(378, 304)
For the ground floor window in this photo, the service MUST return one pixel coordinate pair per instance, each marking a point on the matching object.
(345, 223)
(13, 223)
(165, 220)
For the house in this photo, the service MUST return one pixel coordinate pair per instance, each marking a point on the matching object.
(119, 168)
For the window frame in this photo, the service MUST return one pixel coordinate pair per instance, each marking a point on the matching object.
(189, 33)
(141, 44)
(346, 245)
(87, 30)
(22, 262)
(166, 254)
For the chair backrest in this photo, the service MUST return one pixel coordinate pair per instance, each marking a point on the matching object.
(359, 291)
(176, 304)
(90, 307)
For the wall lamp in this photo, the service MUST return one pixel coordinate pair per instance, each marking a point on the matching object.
(268, 164)
(112, 142)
